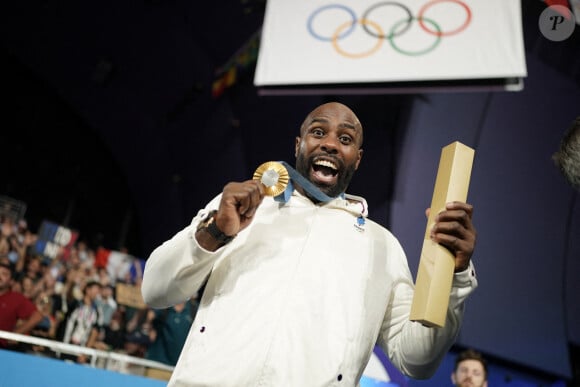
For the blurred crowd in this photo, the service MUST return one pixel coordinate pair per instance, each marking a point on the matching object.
(73, 298)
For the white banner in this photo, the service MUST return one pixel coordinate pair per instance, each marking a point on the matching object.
(314, 42)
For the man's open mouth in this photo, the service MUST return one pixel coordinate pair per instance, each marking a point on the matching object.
(324, 171)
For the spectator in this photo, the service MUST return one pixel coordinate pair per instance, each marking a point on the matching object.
(85, 254)
(4, 247)
(17, 249)
(47, 326)
(470, 370)
(47, 284)
(32, 269)
(27, 288)
(5, 260)
(111, 336)
(84, 319)
(172, 326)
(140, 332)
(106, 304)
(104, 277)
(65, 300)
(17, 313)
(68, 294)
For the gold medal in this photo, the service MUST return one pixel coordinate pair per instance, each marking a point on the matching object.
(273, 176)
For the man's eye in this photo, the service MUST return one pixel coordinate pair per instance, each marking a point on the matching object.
(317, 132)
(345, 140)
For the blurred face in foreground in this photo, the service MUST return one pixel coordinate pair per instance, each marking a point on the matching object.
(328, 151)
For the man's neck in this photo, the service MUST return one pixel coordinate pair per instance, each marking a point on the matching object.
(304, 193)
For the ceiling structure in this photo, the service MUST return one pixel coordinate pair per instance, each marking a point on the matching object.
(106, 100)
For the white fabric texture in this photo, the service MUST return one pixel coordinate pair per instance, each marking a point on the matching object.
(298, 298)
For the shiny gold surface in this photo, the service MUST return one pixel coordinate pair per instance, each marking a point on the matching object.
(273, 176)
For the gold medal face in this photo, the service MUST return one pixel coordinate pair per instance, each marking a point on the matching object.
(273, 176)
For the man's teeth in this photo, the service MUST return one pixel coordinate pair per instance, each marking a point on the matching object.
(325, 163)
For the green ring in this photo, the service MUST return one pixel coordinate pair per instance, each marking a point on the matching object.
(409, 53)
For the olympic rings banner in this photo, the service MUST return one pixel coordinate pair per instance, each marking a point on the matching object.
(317, 42)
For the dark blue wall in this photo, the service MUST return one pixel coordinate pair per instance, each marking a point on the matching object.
(527, 252)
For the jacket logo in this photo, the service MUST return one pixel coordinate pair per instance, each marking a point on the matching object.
(360, 224)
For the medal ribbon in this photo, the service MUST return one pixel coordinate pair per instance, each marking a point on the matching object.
(297, 178)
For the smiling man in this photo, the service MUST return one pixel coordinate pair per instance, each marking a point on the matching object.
(328, 151)
(299, 291)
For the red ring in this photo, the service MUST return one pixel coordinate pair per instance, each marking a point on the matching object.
(443, 33)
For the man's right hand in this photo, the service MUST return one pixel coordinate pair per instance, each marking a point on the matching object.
(237, 207)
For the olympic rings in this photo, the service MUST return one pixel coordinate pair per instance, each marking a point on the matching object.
(398, 29)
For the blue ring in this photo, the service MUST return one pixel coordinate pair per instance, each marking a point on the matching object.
(325, 7)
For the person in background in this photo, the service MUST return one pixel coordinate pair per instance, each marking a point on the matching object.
(140, 332)
(46, 328)
(110, 337)
(567, 157)
(17, 313)
(27, 287)
(470, 369)
(106, 303)
(66, 298)
(84, 319)
(172, 326)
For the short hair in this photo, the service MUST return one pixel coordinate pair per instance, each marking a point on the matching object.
(567, 157)
(471, 354)
(91, 284)
(7, 266)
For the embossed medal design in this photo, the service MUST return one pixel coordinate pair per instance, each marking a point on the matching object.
(274, 176)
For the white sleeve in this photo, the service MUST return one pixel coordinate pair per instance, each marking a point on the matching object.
(175, 271)
(415, 349)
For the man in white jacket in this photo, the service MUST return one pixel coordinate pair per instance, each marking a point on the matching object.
(298, 292)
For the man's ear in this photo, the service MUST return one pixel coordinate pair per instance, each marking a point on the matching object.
(453, 379)
(359, 158)
(296, 146)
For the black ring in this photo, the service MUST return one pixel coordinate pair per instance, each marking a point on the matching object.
(368, 11)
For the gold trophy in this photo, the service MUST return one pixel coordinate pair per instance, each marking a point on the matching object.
(436, 263)
(274, 176)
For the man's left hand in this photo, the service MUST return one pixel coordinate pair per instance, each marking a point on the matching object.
(454, 229)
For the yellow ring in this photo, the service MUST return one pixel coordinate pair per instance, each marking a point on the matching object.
(361, 54)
